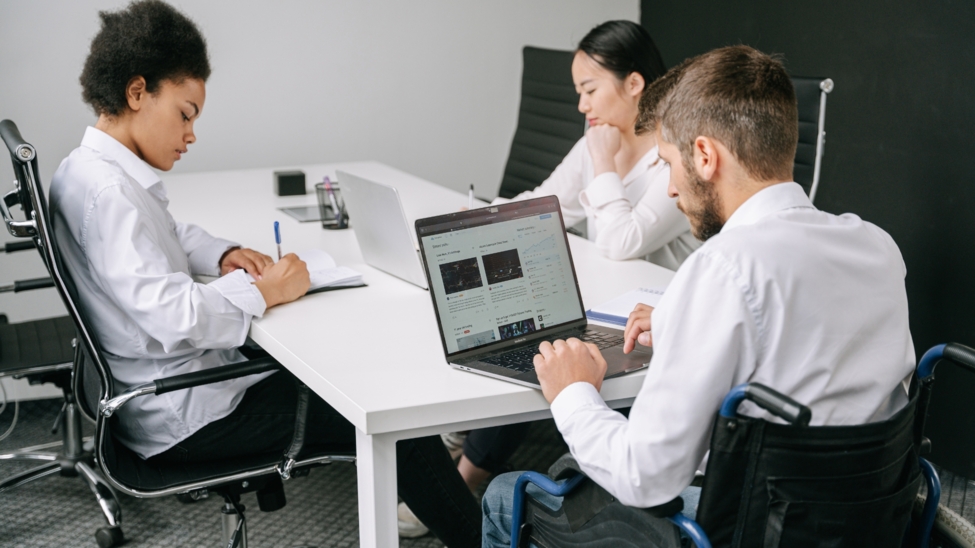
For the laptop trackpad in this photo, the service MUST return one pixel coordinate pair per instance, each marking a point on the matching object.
(620, 363)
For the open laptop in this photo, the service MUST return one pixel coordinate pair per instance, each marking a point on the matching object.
(381, 228)
(502, 281)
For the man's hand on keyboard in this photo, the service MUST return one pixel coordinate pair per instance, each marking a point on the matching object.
(566, 362)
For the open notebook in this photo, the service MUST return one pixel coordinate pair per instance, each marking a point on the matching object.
(617, 311)
(325, 274)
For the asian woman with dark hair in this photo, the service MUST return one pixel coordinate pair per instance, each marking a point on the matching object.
(613, 177)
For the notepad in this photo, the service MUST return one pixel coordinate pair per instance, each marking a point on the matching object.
(324, 274)
(617, 310)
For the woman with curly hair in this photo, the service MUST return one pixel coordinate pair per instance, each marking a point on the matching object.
(145, 78)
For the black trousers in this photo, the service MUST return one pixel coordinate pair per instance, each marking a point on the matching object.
(264, 421)
(490, 448)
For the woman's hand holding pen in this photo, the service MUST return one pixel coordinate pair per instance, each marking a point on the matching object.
(254, 262)
(638, 328)
(284, 281)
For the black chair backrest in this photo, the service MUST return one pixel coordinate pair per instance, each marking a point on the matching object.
(782, 485)
(810, 97)
(549, 121)
(95, 375)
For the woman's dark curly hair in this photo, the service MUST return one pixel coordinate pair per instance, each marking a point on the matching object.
(149, 38)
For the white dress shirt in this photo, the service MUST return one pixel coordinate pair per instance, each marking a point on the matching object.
(132, 264)
(627, 218)
(808, 303)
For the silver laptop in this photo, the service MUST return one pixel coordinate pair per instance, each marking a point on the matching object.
(381, 228)
(502, 281)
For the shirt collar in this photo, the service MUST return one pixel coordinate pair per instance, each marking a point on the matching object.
(137, 168)
(765, 202)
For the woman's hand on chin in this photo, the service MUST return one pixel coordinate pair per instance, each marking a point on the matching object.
(604, 143)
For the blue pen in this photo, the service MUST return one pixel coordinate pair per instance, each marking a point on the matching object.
(277, 238)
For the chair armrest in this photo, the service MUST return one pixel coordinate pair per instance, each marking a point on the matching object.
(10, 247)
(189, 380)
(692, 529)
(26, 285)
(774, 402)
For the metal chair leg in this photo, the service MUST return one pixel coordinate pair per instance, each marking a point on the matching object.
(30, 455)
(103, 493)
(30, 475)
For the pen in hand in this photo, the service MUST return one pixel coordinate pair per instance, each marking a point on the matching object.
(277, 238)
(470, 198)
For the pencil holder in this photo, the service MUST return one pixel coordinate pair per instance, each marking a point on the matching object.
(332, 208)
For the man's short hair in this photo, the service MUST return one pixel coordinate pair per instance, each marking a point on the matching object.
(742, 98)
(646, 119)
(149, 38)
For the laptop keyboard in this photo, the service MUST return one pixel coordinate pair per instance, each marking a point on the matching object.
(521, 359)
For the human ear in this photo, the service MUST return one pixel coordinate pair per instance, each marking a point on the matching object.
(135, 93)
(635, 84)
(705, 158)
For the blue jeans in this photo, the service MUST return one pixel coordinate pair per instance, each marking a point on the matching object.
(500, 495)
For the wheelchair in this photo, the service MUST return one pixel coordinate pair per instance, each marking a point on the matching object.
(769, 484)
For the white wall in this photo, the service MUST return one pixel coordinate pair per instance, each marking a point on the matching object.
(428, 86)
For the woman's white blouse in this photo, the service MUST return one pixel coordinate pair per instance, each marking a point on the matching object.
(627, 218)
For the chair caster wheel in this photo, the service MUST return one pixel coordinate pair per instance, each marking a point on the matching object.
(107, 537)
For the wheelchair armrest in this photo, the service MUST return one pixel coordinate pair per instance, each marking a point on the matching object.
(188, 380)
(774, 402)
(692, 529)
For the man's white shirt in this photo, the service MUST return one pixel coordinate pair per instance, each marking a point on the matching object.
(132, 264)
(806, 302)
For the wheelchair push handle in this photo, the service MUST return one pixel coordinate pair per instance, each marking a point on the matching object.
(768, 399)
(958, 353)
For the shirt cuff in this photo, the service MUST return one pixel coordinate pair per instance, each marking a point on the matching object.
(572, 398)
(605, 188)
(500, 200)
(237, 288)
(207, 261)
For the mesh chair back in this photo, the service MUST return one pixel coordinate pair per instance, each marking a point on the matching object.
(811, 100)
(549, 121)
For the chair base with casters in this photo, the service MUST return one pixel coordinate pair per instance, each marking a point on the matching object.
(871, 481)
(41, 351)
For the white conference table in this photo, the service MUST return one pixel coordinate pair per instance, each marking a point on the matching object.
(374, 353)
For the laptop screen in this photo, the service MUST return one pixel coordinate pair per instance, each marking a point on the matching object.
(499, 273)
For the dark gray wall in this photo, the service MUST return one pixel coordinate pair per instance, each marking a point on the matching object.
(899, 150)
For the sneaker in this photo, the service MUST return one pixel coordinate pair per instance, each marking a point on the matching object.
(408, 524)
(454, 442)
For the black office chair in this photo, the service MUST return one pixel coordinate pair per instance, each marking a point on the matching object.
(767, 484)
(549, 121)
(43, 351)
(122, 468)
(811, 98)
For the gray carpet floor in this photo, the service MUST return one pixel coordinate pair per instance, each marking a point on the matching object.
(321, 509)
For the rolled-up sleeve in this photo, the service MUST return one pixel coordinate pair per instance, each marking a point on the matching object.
(132, 268)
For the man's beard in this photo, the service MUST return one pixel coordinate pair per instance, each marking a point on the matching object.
(705, 218)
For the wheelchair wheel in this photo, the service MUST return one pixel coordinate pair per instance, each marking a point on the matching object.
(950, 529)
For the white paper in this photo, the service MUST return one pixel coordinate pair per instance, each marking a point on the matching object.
(624, 304)
(323, 272)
